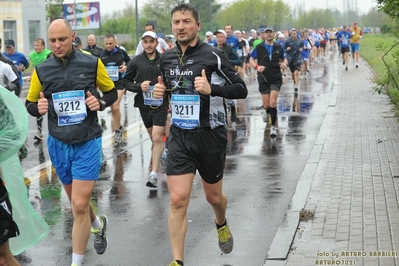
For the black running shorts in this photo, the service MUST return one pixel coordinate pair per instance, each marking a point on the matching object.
(154, 117)
(344, 50)
(8, 227)
(202, 149)
(294, 68)
(266, 88)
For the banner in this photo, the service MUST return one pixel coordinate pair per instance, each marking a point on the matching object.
(84, 16)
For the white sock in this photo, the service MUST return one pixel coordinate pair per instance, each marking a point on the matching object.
(154, 174)
(77, 259)
(96, 224)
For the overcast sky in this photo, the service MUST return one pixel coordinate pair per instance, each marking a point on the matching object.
(108, 6)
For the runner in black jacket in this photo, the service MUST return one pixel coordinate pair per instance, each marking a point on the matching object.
(141, 75)
(199, 77)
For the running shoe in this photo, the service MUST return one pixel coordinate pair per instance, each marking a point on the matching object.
(174, 263)
(265, 117)
(225, 239)
(233, 116)
(163, 160)
(103, 124)
(296, 88)
(100, 236)
(346, 68)
(152, 182)
(118, 135)
(273, 132)
(343, 62)
(23, 152)
(38, 136)
(357, 65)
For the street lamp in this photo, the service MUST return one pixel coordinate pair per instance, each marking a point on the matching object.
(137, 23)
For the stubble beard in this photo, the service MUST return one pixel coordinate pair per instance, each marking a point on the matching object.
(187, 41)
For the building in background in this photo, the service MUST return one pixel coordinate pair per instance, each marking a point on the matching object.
(23, 21)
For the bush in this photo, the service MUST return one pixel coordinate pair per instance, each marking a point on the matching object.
(129, 46)
(385, 28)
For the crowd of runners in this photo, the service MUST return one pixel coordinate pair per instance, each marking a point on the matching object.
(185, 92)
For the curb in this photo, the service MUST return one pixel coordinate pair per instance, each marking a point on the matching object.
(281, 244)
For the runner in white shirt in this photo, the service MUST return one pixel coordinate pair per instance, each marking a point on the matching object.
(162, 45)
(7, 76)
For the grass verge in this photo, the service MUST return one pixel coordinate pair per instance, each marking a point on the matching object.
(373, 48)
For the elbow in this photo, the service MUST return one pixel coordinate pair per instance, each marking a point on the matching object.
(243, 92)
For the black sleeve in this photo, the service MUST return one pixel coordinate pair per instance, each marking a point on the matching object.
(31, 107)
(110, 97)
(129, 80)
(126, 57)
(235, 87)
(14, 85)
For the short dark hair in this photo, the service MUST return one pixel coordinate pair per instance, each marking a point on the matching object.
(150, 24)
(185, 7)
(109, 36)
(41, 40)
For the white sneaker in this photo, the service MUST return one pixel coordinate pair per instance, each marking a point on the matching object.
(265, 117)
(152, 182)
(273, 132)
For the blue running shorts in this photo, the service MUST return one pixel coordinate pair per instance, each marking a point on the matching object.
(355, 47)
(81, 161)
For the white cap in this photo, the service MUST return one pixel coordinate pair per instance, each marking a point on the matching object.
(150, 34)
(281, 35)
(220, 31)
(253, 30)
(209, 33)
(279, 32)
(237, 31)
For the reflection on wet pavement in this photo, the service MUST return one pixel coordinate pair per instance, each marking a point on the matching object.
(272, 165)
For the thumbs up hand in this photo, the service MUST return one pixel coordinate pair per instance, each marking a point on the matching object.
(159, 89)
(92, 102)
(42, 104)
(201, 84)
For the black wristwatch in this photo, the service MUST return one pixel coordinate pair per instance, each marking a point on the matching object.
(103, 105)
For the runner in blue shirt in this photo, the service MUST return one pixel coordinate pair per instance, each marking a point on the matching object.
(231, 39)
(344, 38)
(18, 59)
(209, 39)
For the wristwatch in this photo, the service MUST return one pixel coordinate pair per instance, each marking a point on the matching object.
(103, 104)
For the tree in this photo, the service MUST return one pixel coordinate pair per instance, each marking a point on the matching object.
(374, 18)
(389, 7)
(159, 12)
(54, 9)
(208, 8)
(319, 17)
(250, 14)
(121, 22)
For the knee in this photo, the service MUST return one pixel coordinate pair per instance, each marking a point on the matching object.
(80, 207)
(216, 199)
(115, 107)
(156, 139)
(178, 202)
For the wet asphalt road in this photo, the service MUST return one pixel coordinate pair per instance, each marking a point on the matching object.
(260, 178)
